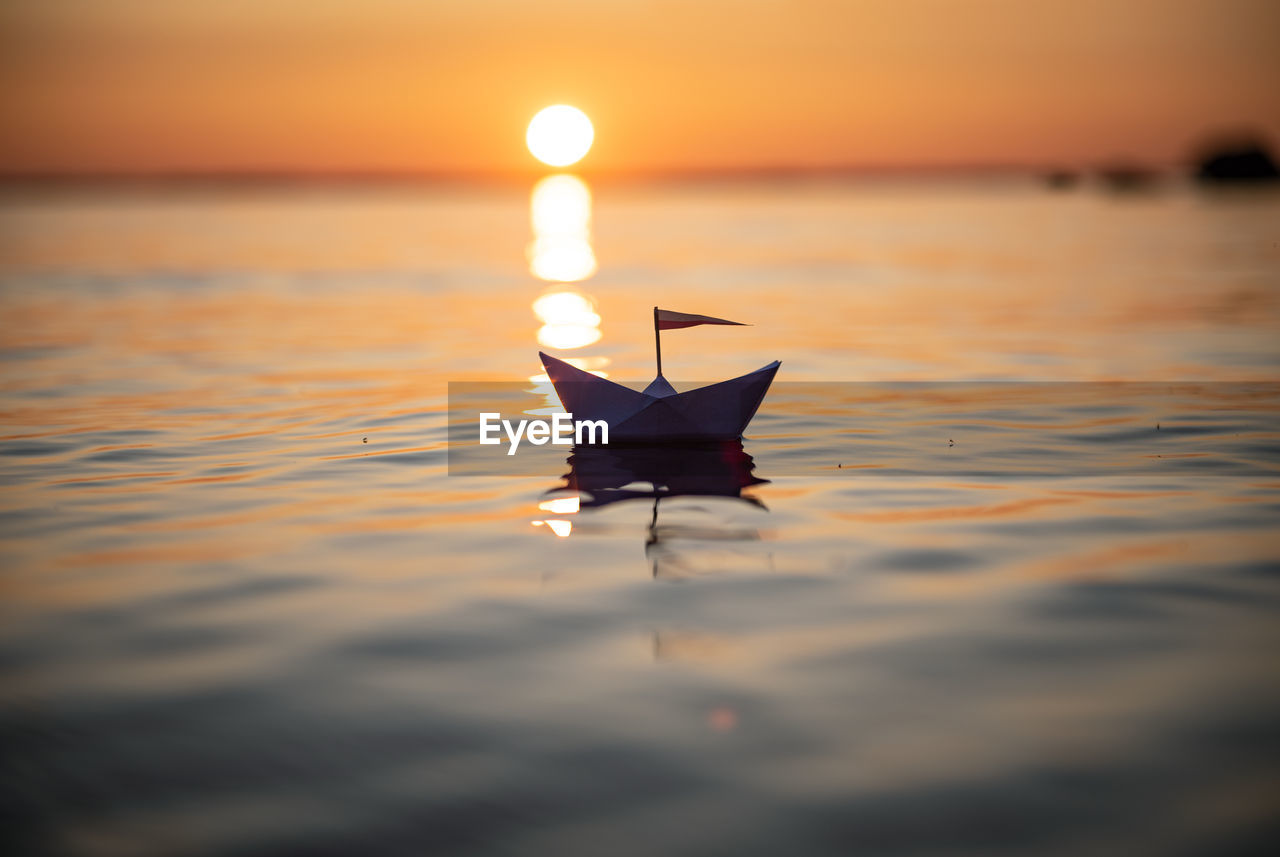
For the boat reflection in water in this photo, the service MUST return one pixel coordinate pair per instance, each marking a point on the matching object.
(701, 538)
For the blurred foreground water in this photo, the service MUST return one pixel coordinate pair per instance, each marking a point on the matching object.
(245, 610)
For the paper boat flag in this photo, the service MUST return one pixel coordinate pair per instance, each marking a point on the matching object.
(669, 320)
(659, 414)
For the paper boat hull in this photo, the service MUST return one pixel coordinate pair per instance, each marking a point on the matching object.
(659, 414)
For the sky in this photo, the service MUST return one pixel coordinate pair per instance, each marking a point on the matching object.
(319, 86)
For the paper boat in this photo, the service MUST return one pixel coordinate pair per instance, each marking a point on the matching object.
(659, 414)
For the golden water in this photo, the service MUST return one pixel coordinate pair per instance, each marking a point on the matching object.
(245, 610)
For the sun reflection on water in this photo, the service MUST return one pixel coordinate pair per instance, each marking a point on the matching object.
(567, 505)
(561, 253)
(561, 505)
(562, 527)
(569, 320)
(561, 247)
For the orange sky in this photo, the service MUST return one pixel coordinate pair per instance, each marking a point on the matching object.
(396, 85)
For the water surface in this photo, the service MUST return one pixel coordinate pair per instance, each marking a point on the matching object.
(246, 610)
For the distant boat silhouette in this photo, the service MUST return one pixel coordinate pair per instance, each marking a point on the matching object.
(1127, 177)
(1239, 161)
(1061, 179)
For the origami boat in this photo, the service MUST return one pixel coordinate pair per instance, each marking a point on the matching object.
(658, 414)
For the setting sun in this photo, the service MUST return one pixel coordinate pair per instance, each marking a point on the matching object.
(560, 135)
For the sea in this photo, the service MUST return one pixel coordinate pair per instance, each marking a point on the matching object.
(995, 569)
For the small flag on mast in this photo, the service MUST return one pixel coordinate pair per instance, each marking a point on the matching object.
(666, 319)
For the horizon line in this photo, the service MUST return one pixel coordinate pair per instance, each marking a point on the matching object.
(289, 175)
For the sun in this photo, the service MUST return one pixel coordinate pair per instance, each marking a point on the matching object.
(559, 135)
